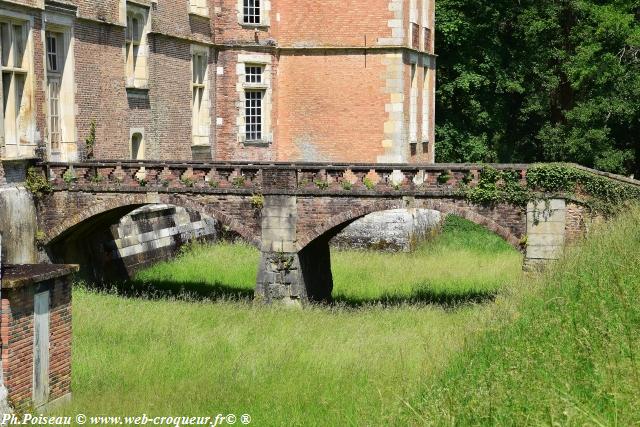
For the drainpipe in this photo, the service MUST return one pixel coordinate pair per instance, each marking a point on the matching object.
(4, 404)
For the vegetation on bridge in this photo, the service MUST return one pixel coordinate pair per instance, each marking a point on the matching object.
(602, 194)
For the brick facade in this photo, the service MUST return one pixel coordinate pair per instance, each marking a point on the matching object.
(20, 285)
(339, 86)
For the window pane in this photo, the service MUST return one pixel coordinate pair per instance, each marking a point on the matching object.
(5, 40)
(19, 80)
(135, 27)
(18, 45)
(52, 51)
(6, 89)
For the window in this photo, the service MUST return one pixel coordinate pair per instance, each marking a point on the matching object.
(251, 11)
(54, 46)
(135, 40)
(253, 115)
(253, 74)
(55, 51)
(137, 146)
(254, 96)
(200, 101)
(14, 69)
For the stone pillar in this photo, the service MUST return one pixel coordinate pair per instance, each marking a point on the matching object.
(18, 223)
(286, 275)
(546, 223)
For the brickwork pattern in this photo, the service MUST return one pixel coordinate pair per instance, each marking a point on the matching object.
(17, 341)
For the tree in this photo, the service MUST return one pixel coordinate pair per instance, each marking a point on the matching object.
(547, 80)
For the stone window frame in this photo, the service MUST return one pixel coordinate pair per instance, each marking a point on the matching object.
(28, 70)
(265, 61)
(199, 8)
(136, 66)
(68, 147)
(197, 137)
(265, 19)
(141, 146)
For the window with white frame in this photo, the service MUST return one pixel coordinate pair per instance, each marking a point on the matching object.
(200, 100)
(254, 97)
(253, 114)
(14, 67)
(252, 11)
(55, 63)
(199, 7)
(135, 47)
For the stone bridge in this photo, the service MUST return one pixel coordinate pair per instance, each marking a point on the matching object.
(291, 211)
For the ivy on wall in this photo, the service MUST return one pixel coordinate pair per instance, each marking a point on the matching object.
(601, 194)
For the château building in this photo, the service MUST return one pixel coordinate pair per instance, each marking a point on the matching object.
(229, 80)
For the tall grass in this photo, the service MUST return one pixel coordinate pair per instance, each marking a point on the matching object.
(353, 363)
(563, 349)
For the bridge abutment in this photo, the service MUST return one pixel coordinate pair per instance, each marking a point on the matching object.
(546, 231)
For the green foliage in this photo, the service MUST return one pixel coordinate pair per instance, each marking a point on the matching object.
(41, 237)
(495, 187)
(69, 176)
(539, 80)
(97, 178)
(346, 185)
(601, 194)
(321, 184)
(257, 201)
(238, 181)
(368, 183)
(444, 177)
(214, 184)
(187, 181)
(559, 349)
(90, 142)
(37, 183)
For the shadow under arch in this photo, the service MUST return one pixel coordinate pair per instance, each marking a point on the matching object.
(86, 238)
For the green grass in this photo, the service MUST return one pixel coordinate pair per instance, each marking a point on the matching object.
(196, 345)
(563, 349)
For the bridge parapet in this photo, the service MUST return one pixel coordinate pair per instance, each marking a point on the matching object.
(267, 178)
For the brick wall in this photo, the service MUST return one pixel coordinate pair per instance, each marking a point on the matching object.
(17, 336)
(331, 22)
(331, 107)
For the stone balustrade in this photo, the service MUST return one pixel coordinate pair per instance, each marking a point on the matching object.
(266, 178)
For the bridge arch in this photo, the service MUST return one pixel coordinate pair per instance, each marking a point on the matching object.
(339, 221)
(120, 206)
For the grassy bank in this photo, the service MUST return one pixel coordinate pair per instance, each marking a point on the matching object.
(399, 319)
(561, 350)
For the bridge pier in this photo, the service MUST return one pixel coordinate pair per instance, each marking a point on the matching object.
(546, 232)
(285, 274)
